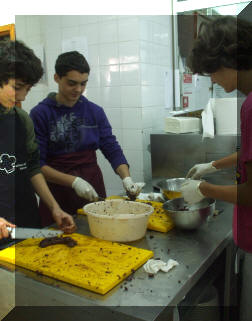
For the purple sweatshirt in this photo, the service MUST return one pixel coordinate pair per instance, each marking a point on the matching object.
(61, 130)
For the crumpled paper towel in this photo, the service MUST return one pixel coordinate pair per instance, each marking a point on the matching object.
(156, 197)
(208, 120)
(153, 266)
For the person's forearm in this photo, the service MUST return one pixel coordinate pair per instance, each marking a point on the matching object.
(226, 162)
(41, 188)
(57, 177)
(123, 171)
(237, 194)
(226, 193)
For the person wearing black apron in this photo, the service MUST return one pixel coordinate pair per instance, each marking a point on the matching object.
(18, 203)
(70, 129)
(82, 164)
(20, 171)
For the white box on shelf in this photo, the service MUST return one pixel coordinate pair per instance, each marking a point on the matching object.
(180, 125)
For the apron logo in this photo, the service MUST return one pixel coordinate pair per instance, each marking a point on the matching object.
(7, 163)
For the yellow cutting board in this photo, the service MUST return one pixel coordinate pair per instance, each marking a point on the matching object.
(158, 220)
(92, 264)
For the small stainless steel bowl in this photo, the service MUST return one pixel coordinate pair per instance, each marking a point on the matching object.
(189, 217)
(170, 188)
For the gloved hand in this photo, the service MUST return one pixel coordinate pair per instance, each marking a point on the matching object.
(132, 189)
(3, 227)
(199, 170)
(84, 189)
(191, 192)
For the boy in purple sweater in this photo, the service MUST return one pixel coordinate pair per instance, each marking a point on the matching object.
(223, 50)
(69, 129)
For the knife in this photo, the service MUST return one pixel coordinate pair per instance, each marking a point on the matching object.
(25, 233)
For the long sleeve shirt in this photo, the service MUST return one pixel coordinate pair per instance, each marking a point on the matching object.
(61, 130)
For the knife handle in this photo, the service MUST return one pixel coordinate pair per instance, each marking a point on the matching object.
(10, 230)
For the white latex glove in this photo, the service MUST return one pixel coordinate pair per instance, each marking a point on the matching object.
(84, 189)
(131, 187)
(3, 227)
(199, 170)
(191, 192)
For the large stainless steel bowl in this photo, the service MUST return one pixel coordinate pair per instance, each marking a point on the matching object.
(170, 188)
(189, 217)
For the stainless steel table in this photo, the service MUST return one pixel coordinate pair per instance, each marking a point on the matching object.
(194, 250)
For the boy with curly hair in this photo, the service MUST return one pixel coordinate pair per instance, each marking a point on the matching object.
(223, 50)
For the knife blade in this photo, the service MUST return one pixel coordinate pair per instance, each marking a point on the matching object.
(25, 233)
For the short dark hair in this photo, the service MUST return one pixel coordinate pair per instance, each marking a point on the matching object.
(17, 61)
(69, 61)
(223, 42)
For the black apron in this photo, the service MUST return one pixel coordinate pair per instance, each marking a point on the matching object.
(18, 203)
(82, 164)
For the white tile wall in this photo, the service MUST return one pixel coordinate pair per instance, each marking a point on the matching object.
(129, 52)
(91, 31)
(128, 56)
(33, 40)
(52, 22)
(148, 74)
(111, 96)
(50, 58)
(70, 21)
(89, 19)
(107, 17)
(114, 117)
(119, 135)
(94, 94)
(127, 29)
(33, 25)
(94, 78)
(132, 118)
(147, 117)
(110, 75)
(135, 157)
(132, 139)
(146, 52)
(131, 96)
(21, 30)
(108, 31)
(109, 54)
(145, 32)
(93, 55)
(69, 32)
(130, 74)
(53, 43)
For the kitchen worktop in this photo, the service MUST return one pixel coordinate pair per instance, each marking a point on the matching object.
(194, 250)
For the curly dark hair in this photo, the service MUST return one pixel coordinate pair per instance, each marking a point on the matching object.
(223, 42)
(17, 61)
(71, 60)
